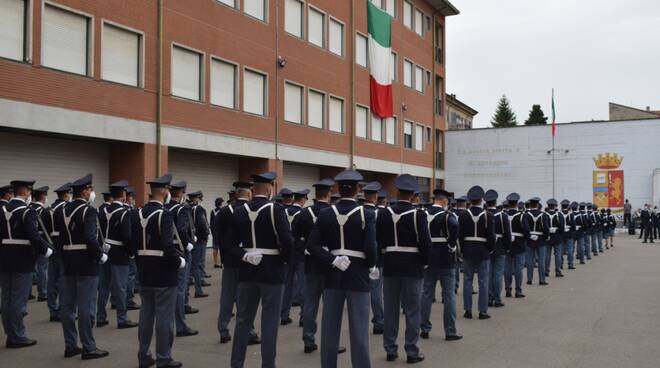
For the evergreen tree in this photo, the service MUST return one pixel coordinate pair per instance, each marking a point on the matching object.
(536, 116)
(504, 116)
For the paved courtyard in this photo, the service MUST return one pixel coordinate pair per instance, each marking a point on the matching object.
(604, 314)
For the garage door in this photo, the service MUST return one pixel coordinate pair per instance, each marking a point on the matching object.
(212, 174)
(53, 161)
(297, 177)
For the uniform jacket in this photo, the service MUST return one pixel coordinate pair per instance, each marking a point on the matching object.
(200, 223)
(557, 224)
(221, 225)
(540, 226)
(520, 224)
(117, 233)
(183, 226)
(477, 250)
(55, 208)
(301, 230)
(81, 231)
(569, 224)
(443, 224)
(23, 225)
(213, 217)
(502, 228)
(292, 212)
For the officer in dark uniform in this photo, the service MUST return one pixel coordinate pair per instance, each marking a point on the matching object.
(158, 263)
(502, 228)
(477, 236)
(39, 198)
(55, 266)
(515, 260)
(286, 196)
(116, 228)
(539, 232)
(581, 227)
(568, 210)
(597, 236)
(6, 194)
(343, 241)
(404, 240)
(81, 256)
(556, 237)
(374, 196)
(104, 269)
(261, 227)
(20, 245)
(183, 243)
(132, 268)
(646, 215)
(201, 236)
(443, 226)
(212, 217)
(242, 195)
(295, 272)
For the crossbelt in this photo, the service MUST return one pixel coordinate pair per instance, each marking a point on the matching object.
(74, 247)
(341, 220)
(252, 216)
(143, 223)
(15, 242)
(395, 220)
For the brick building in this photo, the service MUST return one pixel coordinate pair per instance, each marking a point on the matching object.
(213, 90)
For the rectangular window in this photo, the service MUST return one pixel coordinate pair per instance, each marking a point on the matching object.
(186, 73)
(390, 131)
(316, 24)
(439, 95)
(231, 3)
(428, 78)
(419, 137)
(336, 37)
(66, 41)
(361, 50)
(12, 29)
(419, 22)
(407, 14)
(407, 134)
(428, 135)
(376, 128)
(293, 17)
(390, 7)
(361, 117)
(255, 8)
(408, 73)
(439, 41)
(254, 92)
(223, 84)
(316, 109)
(336, 115)
(293, 103)
(419, 79)
(393, 66)
(121, 55)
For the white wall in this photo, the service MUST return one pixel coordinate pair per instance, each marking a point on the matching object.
(517, 159)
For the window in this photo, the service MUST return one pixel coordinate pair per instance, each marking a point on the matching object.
(336, 37)
(438, 43)
(316, 24)
(439, 95)
(186, 73)
(231, 3)
(407, 73)
(419, 79)
(121, 56)
(419, 137)
(316, 109)
(66, 41)
(376, 128)
(12, 29)
(336, 115)
(361, 50)
(293, 103)
(407, 14)
(293, 17)
(428, 135)
(390, 7)
(361, 117)
(254, 92)
(427, 23)
(255, 8)
(390, 131)
(223, 84)
(419, 22)
(407, 134)
(393, 66)
(427, 79)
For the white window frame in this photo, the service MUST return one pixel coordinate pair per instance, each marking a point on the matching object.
(411, 124)
(266, 13)
(366, 123)
(412, 73)
(324, 26)
(366, 48)
(235, 6)
(90, 36)
(411, 18)
(324, 112)
(26, 34)
(343, 114)
(392, 12)
(418, 81)
(421, 22)
(394, 68)
(302, 19)
(140, 35)
(343, 36)
(303, 92)
(202, 74)
(237, 81)
(421, 139)
(265, 91)
(380, 121)
(393, 119)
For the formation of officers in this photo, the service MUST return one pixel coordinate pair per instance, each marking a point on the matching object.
(358, 252)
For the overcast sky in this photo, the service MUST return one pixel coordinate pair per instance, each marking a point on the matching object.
(591, 51)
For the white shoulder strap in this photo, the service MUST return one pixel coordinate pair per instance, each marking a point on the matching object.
(312, 214)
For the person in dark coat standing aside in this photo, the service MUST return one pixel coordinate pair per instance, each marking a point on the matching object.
(502, 228)
(201, 237)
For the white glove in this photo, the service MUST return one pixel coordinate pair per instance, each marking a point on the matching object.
(374, 273)
(513, 238)
(452, 249)
(106, 247)
(189, 247)
(253, 258)
(49, 252)
(552, 231)
(104, 258)
(182, 264)
(341, 262)
(195, 238)
(534, 237)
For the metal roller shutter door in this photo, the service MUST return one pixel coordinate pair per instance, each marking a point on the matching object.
(53, 161)
(212, 174)
(297, 177)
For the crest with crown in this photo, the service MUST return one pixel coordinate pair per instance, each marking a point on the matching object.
(608, 160)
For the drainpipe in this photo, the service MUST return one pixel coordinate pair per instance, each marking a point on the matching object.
(159, 98)
(277, 79)
(434, 139)
(353, 125)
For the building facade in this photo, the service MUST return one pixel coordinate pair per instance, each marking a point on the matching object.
(459, 114)
(623, 112)
(214, 90)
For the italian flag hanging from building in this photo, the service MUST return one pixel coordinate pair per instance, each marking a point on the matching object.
(380, 49)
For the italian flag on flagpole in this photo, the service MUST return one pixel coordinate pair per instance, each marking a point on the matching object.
(554, 124)
(380, 49)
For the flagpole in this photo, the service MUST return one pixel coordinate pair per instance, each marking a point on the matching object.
(553, 142)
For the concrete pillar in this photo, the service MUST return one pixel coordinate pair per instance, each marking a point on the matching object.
(387, 181)
(136, 162)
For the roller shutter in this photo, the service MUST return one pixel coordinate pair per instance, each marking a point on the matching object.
(212, 174)
(297, 177)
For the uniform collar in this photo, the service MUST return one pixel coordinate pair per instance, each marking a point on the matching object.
(369, 204)
(260, 196)
(155, 201)
(438, 206)
(19, 199)
(348, 199)
(296, 205)
(39, 204)
(119, 203)
(381, 206)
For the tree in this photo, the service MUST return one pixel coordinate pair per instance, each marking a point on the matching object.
(536, 116)
(504, 116)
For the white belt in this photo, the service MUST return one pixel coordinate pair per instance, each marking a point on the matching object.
(520, 235)
(577, 227)
(567, 229)
(536, 233)
(75, 247)
(348, 252)
(497, 236)
(402, 249)
(15, 242)
(176, 241)
(439, 239)
(150, 253)
(556, 228)
(55, 233)
(475, 238)
(264, 251)
(114, 242)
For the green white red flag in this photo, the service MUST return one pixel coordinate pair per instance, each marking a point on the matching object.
(380, 49)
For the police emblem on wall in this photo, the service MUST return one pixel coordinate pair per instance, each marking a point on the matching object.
(608, 181)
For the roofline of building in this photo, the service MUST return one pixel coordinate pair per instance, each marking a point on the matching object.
(461, 104)
(568, 123)
(636, 109)
(444, 7)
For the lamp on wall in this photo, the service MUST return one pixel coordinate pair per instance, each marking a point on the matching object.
(281, 62)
